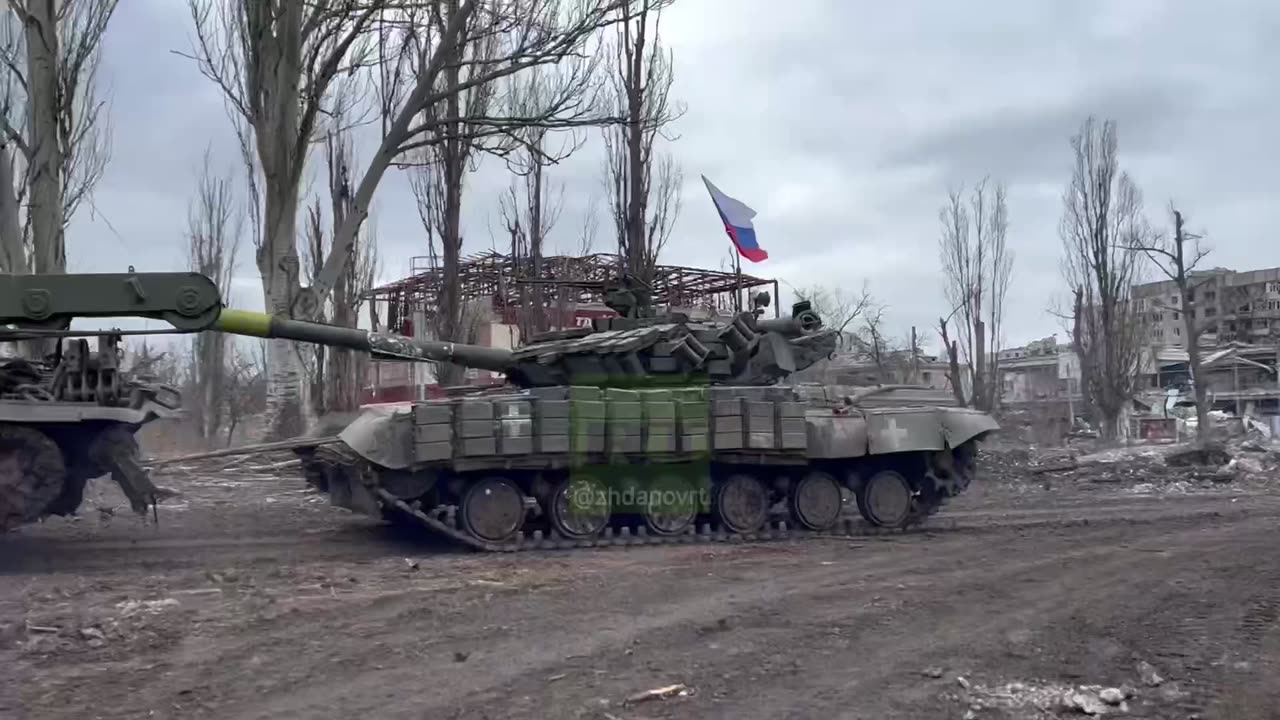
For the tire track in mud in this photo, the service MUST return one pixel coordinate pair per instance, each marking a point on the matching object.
(170, 548)
(958, 589)
(517, 658)
(938, 615)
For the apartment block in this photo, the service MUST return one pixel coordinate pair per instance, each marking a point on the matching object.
(1241, 307)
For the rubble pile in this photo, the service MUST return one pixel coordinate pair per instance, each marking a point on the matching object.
(1044, 699)
(1179, 467)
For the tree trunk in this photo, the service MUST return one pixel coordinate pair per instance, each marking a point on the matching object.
(953, 362)
(1204, 432)
(539, 316)
(637, 175)
(13, 257)
(455, 160)
(278, 263)
(1109, 425)
(341, 391)
(982, 380)
(49, 251)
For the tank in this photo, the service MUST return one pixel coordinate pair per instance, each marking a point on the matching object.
(648, 428)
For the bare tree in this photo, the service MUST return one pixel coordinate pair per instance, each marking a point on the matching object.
(213, 238)
(53, 133)
(441, 59)
(891, 357)
(977, 264)
(279, 64)
(839, 308)
(644, 205)
(276, 62)
(1177, 258)
(1101, 225)
(334, 373)
(245, 390)
(531, 207)
(955, 370)
(440, 168)
(163, 366)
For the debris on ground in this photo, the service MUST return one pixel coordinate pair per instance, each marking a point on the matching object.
(1210, 455)
(1111, 696)
(1148, 673)
(1045, 699)
(1141, 468)
(661, 693)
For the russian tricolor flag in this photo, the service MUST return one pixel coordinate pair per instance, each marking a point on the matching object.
(737, 222)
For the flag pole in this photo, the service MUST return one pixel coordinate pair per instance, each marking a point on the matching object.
(737, 278)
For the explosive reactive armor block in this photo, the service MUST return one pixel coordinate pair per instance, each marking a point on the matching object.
(612, 421)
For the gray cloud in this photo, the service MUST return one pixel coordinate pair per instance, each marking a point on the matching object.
(842, 124)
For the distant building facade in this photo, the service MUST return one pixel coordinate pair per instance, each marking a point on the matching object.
(1241, 307)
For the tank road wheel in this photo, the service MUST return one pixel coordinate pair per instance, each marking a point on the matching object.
(886, 499)
(31, 475)
(670, 506)
(579, 507)
(816, 501)
(493, 510)
(742, 503)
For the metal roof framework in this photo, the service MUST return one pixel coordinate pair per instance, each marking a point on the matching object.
(492, 275)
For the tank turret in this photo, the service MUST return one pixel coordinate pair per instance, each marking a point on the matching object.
(639, 347)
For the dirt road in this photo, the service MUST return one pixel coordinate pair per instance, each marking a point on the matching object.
(261, 602)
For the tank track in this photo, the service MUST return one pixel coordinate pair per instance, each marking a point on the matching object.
(444, 522)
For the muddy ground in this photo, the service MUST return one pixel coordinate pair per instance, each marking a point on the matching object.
(1030, 598)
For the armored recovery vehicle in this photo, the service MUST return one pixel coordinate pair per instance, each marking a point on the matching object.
(71, 416)
(641, 428)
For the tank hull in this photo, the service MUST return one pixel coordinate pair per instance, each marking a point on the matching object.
(579, 467)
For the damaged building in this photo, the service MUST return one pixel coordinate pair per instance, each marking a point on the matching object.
(1239, 348)
(862, 367)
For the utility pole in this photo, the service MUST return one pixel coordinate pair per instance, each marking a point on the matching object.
(915, 357)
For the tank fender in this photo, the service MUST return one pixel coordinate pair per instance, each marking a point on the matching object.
(892, 430)
(963, 424)
(836, 436)
(383, 436)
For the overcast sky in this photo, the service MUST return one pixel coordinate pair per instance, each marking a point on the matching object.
(841, 123)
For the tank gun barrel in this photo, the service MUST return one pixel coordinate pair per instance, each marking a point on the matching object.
(381, 346)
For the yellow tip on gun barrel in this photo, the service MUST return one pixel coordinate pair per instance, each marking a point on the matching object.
(244, 322)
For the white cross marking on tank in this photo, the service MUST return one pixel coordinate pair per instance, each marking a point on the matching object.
(892, 434)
